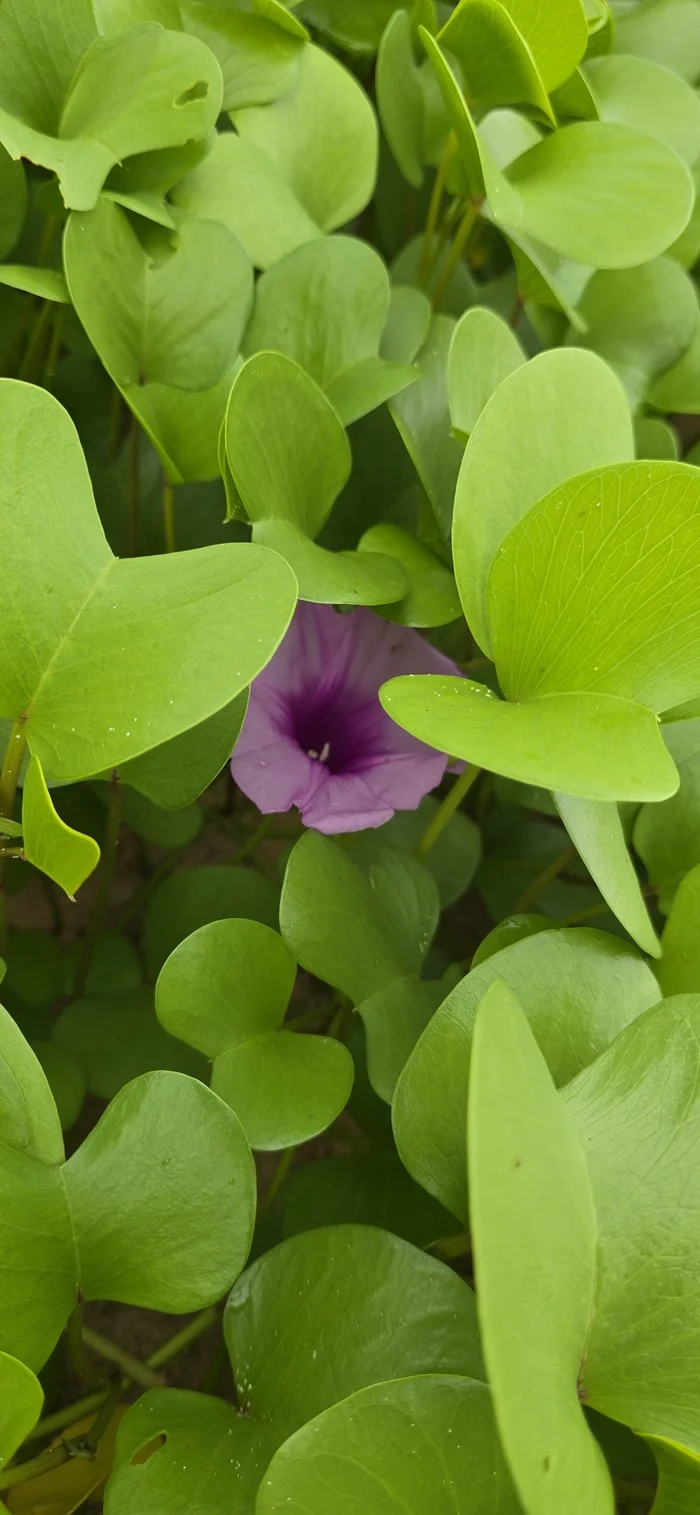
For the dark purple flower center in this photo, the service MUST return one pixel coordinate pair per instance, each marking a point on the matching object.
(336, 730)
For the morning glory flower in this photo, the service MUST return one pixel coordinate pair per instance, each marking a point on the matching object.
(315, 734)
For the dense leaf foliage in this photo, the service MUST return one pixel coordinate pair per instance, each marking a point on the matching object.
(350, 757)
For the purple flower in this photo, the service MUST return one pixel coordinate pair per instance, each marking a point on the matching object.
(315, 734)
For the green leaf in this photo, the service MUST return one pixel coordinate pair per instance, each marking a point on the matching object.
(373, 1190)
(453, 860)
(509, 931)
(432, 598)
(678, 971)
(497, 65)
(196, 896)
(299, 167)
(679, 1478)
(679, 388)
(115, 1036)
(13, 202)
(578, 988)
(666, 30)
(337, 1309)
(534, 1235)
(259, 54)
(422, 416)
(639, 93)
(357, 933)
(86, 708)
(600, 168)
(326, 306)
(225, 991)
(483, 352)
(110, 97)
(401, 99)
(633, 605)
(596, 832)
(290, 457)
(415, 1445)
(636, 1110)
(667, 836)
(45, 283)
(177, 1449)
(21, 1399)
(167, 1170)
(356, 24)
(641, 320)
(576, 408)
(171, 829)
(598, 746)
(184, 427)
(156, 1208)
(28, 1118)
(394, 1020)
(655, 438)
(170, 312)
(56, 849)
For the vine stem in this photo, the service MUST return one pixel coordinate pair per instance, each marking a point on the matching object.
(44, 1463)
(9, 779)
(278, 1178)
(140, 1372)
(434, 206)
(547, 876)
(109, 859)
(446, 810)
(169, 516)
(464, 230)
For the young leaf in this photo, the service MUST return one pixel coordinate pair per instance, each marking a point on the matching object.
(128, 657)
(172, 311)
(331, 1311)
(225, 991)
(432, 598)
(290, 458)
(56, 849)
(427, 1442)
(534, 1234)
(576, 408)
(358, 934)
(498, 67)
(579, 990)
(483, 352)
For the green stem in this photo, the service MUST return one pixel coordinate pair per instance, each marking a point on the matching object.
(184, 1338)
(434, 207)
(36, 341)
(67, 1415)
(135, 471)
(169, 516)
(115, 424)
(547, 876)
(583, 915)
(278, 1178)
(164, 868)
(11, 768)
(83, 1364)
(446, 810)
(55, 346)
(462, 236)
(131, 1366)
(46, 1462)
(258, 835)
(107, 867)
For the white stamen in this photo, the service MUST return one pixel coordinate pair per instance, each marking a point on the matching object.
(323, 755)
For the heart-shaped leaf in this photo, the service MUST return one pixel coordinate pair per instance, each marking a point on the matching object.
(375, 1304)
(297, 168)
(79, 103)
(576, 408)
(102, 679)
(638, 93)
(326, 306)
(225, 991)
(290, 458)
(171, 311)
(432, 598)
(534, 1234)
(156, 1208)
(578, 988)
(357, 933)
